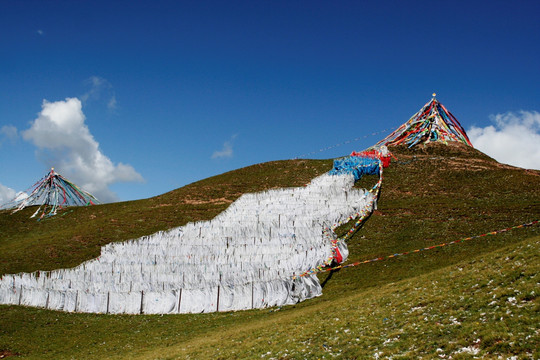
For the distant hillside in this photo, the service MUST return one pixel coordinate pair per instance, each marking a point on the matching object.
(430, 195)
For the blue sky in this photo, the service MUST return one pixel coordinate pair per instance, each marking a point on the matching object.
(149, 96)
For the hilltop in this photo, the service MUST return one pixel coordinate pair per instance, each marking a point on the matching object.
(431, 194)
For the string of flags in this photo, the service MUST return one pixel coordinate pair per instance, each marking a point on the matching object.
(325, 269)
(361, 216)
(345, 143)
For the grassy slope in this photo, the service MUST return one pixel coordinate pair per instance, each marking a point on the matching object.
(482, 307)
(429, 196)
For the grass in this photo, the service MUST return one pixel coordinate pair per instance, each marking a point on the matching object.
(483, 307)
(473, 299)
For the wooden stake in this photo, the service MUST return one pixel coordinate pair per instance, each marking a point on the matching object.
(179, 300)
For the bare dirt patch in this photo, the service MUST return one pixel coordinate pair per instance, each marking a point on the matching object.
(6, 353)
(209, 201)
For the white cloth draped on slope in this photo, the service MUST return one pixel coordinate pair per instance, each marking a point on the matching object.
(244, 258)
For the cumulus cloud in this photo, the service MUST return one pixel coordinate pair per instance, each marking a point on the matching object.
(226, 151)
(6, 194)
(65, 143)
(9, 198)
(514, 138)
(8, 132)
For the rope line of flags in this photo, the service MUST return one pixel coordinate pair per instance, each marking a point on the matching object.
(326, 269)
(345, 142)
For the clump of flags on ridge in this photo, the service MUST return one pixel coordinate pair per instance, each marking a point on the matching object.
(51, 193)
(432, 123)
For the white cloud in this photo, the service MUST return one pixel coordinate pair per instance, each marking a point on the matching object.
(100, 88)
(226, 151)
(111, 105)
(9, 198)
(6, 194)
(40, 32)
(514, 138)
(8, 132)
(65, 143)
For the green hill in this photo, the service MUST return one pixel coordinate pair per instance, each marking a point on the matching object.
(476, 298)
